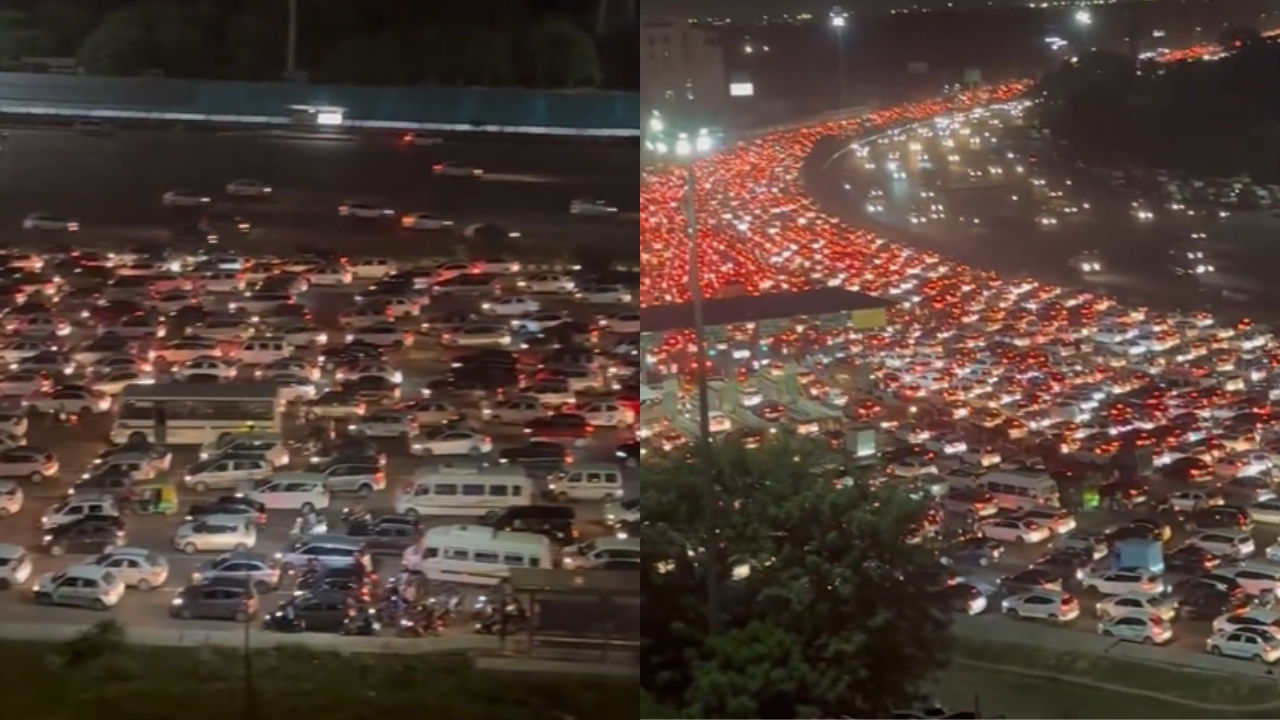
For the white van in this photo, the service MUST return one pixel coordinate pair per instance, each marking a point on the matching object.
(1017, 490)
(476, 555)
(464, 491)
(589, 481)
(264, 350)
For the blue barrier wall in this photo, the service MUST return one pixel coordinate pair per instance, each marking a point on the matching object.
(423, 105)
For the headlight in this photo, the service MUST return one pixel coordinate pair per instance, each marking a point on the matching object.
(176, 601)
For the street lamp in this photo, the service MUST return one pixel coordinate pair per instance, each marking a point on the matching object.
(839, 20)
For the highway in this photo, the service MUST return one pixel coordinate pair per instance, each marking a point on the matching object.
(113, 186)
(991, 220)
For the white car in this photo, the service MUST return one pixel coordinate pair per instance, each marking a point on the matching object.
(1266, 512)
(70, 400)
(1256, 579)
(330, 276)
(1249, 618)
(333, 404)
(297, 366)
(136, 567)
(451, 442)
(49, 221)
(385, 424)
(373, 267)
(1244, 645)
(478, 335)
(184, 349)
(1014, 530)
(248, 187)
(293, 388)
(11, 498)
(225, 328)
(604, 295)
(1059, 521)
(1186, 501)
(511, 306)
(303, 335)
(173, 301)
(1121, 581)
(496, 266)
(291, 493)
(375, 369)
(227, 473)
(424, 221)
(15, 566)
(219, 282)
(1052, 605)
(592, 208)
(23, 383)
(982, 457)
(1156, 604)
(207, 365)
(1225, 543)
(25, 461)
(216, 533)
(15, 351)
(515, 411)
(1137, 627)
(624, 323)
(382, 335)
(913, 467)
(607, 414)
(548, 283)
(114, 383)
(365, 210)
(185, 198)
(114, 363)
(453, 169)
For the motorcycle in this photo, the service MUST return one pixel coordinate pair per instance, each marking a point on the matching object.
(353, 516)
(361, 622)
(307, 526)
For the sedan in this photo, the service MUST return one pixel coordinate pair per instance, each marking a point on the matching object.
(1266, 512)
(452, 442)
(1015, 531)
(48, 221)
(1137, 627)
(1052, 605)
(248, 187)
(365, 210)
(453, 169)
(185, 198)
(592, 208)
(1119, 582)
(424, 221)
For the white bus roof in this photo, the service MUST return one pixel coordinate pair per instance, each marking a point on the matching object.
(201, 391)
(477, 535)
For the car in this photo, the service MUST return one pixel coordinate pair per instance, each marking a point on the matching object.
(1121, 581)
(420, 139)
(352, 581)
(1030, 580)
(1064, 564)
(1058, 520)
(1139, 627)
(444, 441)
(1210, 603)
(1156, 604)
(319, 611)
(30, 462)
(1014, 530)
(387, 535)
(1190, 560)
(604, 295)
(70, 400)
(1188, 501)
(292, 493)
(86, 535)
(365, 210)
(249, 187)
(424, 221)
(185, 198)
(973, 550)
(968, 597)
(207, 365)
(458, 170)
(227, 471)
(548, 283)
(217, 533)
(385, 424)
(138, 568)
(1051, 605)
(49, 221)
(1247, 646)
(80, 585)
(15, 566)
(1225, 543)
(591, 208)
(216, 599)
(244, 568)
(511, 306)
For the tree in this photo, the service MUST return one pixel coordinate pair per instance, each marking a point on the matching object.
(118, 45)
(823, 612)
(141, 38)
(557, 54)
(19, 38)
(253, 43)
(65, 22)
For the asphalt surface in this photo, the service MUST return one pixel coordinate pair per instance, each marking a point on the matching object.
(113, 186)
(1008, 239)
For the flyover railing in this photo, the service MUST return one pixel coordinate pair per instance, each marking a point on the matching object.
(419, 108)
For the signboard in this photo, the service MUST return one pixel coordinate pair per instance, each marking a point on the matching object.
(972, 76)
(741, 89)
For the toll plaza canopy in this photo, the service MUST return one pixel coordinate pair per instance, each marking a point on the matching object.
(862, 311)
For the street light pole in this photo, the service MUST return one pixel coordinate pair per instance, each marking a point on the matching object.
(839, 20)
(291, 50)
(710, 494)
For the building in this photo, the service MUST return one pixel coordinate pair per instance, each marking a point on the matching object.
(682, 73)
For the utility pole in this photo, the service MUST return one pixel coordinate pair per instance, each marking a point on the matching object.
(291, 51)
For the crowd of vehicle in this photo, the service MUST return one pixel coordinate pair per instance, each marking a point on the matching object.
(476, 408)
(1072, 447)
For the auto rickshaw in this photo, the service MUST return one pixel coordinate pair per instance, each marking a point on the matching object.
(155, 499)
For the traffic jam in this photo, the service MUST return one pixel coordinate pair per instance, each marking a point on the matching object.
(1105, 468)
(360, 441)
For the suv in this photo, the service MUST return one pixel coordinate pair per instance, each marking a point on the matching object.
(554, 521)
(216, 599)
(328, 550)
(590, 555)
(1223, 517)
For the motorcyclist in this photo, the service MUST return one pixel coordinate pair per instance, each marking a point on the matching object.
(357, 513)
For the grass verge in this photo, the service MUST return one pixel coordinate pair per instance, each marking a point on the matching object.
(1165, 680)
(99, 677)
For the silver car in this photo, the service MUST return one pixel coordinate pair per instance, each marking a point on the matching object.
(251, 568)
(136, 567)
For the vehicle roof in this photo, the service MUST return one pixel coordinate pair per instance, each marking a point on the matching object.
(189, 391)
(89, 571)
(9, 551)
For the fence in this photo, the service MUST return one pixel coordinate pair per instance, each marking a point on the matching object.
(509, 110)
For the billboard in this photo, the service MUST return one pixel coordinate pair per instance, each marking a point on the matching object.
(742, 89)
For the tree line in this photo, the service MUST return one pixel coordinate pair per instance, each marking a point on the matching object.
(479, 42)
(1208, 118)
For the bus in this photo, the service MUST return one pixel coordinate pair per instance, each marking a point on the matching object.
(196, 413)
